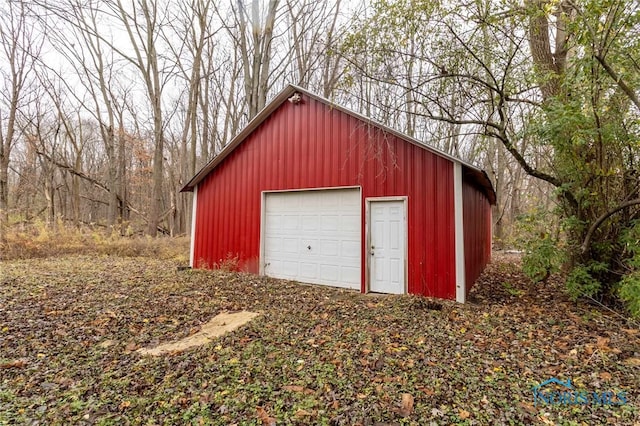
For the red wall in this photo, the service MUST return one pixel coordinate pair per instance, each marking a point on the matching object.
(477, 231)
(312, 145)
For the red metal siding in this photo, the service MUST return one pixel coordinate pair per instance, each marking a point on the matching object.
(477, 231)
(311, 145)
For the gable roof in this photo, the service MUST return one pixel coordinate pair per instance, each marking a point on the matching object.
(478, 175)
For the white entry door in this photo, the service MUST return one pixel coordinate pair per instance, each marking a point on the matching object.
(387, 248)
(313, 236)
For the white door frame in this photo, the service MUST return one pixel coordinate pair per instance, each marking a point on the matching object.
(367, 238)
(263, 217)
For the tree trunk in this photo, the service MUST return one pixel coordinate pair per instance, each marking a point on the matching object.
(75, 191)
(4, 196)
(550, 64)
(19, 48)
(112, 209)
(157, 173)
(256, 58)
(142, 28)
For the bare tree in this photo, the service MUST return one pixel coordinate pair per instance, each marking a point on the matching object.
(253, 36)
(113, 145)
(20, 46)
(142, 24)
(193, 57)
(95, 72)
(314, 30)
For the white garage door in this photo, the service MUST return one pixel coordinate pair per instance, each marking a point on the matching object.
(313, 236)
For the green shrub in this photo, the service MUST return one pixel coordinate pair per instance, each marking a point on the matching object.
(539, 237)
(630, 292)
(542, 258)
(581, 280)
(630, 284)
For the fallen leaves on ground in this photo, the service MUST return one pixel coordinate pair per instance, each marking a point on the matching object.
(264, 418)
(406, 405)
(69, 329)
(18, 363)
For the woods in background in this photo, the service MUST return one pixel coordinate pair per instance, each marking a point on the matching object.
(109, 107)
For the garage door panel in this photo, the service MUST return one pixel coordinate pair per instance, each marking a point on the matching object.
(328, 201)
(327, 221)
(290, 245)
(290, 269)
(274, 225)
(305, 202)
(351, 275)
(350, 221)
(309, 270)
(330, 248)
(343, 198)
(329, 273)
(290, 222)
(305, 251)
(283, 204)
(350, 249)
(273, 245)
(275, 264)
(310, 222)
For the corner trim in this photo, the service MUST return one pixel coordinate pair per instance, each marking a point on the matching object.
(193, 227)
(461, 284)
(263, 219)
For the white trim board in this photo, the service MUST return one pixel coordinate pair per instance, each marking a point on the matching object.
(263, 201)
(194, 208)
(315, 188)
(461, 283)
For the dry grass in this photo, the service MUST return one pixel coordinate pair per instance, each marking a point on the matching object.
(40, 241)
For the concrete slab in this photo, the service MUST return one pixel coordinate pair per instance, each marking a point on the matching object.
(220, 324)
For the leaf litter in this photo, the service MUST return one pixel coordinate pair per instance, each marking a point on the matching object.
(70, 330)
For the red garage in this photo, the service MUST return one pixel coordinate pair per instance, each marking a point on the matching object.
(313, 192)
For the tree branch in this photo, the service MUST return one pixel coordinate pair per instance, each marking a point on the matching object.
(462, 121)
(88, 178)
(592, 229)
(619, 81)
